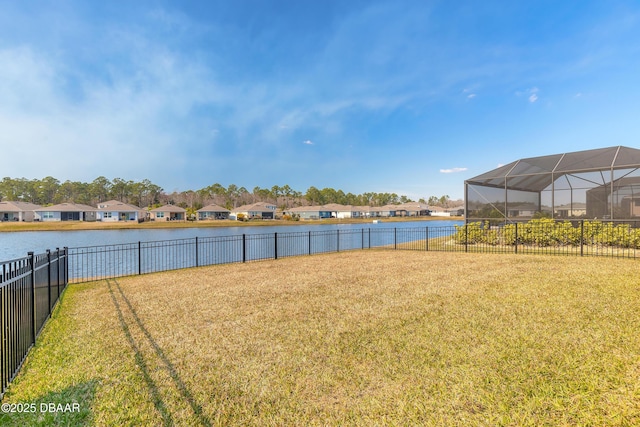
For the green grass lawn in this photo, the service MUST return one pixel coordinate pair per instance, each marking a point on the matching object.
(355, 338)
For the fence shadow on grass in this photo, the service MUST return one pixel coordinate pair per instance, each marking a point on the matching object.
(128, 310)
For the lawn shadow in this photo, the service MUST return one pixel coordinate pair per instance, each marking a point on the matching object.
(68, 407)
(141, 361)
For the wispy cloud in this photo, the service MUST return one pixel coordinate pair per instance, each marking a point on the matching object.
(453, 170)
(469, 93)
(308, 142)
(531, 94)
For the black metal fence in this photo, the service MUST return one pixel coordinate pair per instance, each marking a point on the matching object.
(581, 238)
(106, 261)
(29, 290)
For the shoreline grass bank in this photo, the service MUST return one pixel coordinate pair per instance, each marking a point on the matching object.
(356, 338)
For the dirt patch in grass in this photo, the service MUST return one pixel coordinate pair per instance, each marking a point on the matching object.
(358, 338)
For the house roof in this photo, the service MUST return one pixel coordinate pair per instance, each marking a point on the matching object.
(335, 207)
(169, 208)
(17, 206)
(109, 203)
(213, 208)
(118, 206)
(254, 207)
(265, 204)
(412, 207)
(67, 207)
(307, 209)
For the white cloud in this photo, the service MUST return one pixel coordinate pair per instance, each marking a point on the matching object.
(531, 94)
(108, 126)
(471, 96)
(453, 170)
(307, 142)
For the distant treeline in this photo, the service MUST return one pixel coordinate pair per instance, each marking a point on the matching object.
(49, 190)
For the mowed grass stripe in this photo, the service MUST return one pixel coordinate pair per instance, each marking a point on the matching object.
(356, 338)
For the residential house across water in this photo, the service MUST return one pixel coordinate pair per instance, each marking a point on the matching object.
(114, 210)
(65, 212)
(260, 210)
(168, 213)
(213, 212)
(17, 211)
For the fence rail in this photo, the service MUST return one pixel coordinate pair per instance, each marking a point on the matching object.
(31, 286)
(29, 290)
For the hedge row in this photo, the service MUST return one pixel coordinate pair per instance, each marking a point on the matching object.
(547, 232)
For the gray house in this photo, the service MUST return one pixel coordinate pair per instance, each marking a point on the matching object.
(386, 211)
(66, 212)
(310, 212)
(260, 210)
(213, 212)
(17, 211)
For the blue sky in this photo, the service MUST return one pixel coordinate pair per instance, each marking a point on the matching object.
(411, 97)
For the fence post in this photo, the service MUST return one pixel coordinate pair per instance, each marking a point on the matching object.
(49, 281)
(309, 242)
(466, 237)
(582, 237)
(197, 262)
(516, 237)
(58, 270)
(32, 266)
(337, 240)
(395, 238)
(426, 240)
(362, 240)
(66, 266)
(244, 248)
(139, 257)
(275, 245)
(369, 238)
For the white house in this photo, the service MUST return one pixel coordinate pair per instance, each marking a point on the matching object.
(114, 210)
(342, 211)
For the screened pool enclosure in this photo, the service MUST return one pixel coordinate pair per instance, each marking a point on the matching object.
(593, 184)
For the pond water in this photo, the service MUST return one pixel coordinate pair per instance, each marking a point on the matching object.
(16, 244)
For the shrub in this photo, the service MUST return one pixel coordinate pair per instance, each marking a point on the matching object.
(546, 232)
(469, 233)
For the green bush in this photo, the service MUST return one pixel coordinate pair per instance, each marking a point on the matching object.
(470, 233)
(546, 232)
